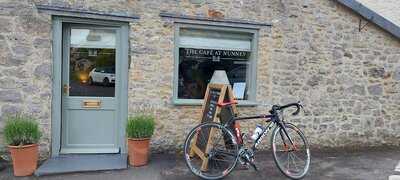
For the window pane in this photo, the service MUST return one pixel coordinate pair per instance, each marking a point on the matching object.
(196, 67)
(92, 63)
(93, 38)
(209, 39)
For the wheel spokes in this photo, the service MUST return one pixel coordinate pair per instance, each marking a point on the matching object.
(219, 148)
(292, 158)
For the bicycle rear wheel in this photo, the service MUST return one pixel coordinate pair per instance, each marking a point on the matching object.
(293, 160)
(219, 147)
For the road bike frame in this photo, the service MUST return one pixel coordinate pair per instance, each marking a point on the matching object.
(272, 119)
(245, 154)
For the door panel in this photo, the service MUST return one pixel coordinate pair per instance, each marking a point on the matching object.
(89, 113)
(79, 119)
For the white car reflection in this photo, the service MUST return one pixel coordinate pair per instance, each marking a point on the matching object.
(104, 75)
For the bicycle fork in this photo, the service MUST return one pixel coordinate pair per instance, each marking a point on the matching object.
(282, 125)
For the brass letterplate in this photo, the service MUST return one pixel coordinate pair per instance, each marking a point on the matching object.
(91, 103)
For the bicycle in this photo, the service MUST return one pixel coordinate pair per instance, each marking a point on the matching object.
(287, 141)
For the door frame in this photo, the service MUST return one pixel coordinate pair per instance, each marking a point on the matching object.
(56, 105)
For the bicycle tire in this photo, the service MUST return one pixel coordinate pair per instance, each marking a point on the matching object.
(214, 153)
(276, 135)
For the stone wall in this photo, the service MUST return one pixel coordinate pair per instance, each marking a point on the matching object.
(348, 80)
(25, 65)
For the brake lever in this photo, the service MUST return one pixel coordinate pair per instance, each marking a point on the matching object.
(299, 106)
(296, 112)
(302, 108)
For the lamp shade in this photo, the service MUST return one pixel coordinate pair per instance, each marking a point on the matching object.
(219, 77)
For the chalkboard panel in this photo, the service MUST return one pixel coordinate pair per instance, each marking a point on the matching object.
(209, 111)
(211, 105)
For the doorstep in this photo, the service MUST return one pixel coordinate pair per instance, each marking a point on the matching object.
(82, 163)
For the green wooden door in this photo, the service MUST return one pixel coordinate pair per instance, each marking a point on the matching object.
(91, 80)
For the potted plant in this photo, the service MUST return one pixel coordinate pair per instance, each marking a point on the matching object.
(139, 130)
(22, 134)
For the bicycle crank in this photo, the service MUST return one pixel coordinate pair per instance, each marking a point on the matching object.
(246, 157)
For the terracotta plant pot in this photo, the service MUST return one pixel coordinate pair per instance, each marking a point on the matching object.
(138, 151)
(24, 159)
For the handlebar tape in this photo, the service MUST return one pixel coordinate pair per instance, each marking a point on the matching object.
(292, 104)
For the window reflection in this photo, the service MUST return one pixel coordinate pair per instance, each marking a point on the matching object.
(196, 67)
(92, 63)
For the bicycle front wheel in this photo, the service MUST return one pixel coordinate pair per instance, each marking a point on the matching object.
(293, 160)
(211, 151)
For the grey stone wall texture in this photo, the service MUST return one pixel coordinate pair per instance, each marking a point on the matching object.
(349, 81)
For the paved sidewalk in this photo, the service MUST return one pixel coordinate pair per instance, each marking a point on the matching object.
(367, 164)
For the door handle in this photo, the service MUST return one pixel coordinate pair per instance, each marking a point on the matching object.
(66, 89)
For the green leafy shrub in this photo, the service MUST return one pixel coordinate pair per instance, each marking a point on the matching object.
(141, 126)
(21, 130)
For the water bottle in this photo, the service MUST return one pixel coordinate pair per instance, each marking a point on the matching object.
(257, 132)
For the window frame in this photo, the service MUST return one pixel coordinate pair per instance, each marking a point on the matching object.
(252, 89)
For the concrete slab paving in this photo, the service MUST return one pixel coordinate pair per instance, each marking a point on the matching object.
(343, 164)
(397, 167)
(394, 177)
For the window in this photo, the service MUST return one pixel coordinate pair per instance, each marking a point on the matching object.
(202, 50)
(92, 62)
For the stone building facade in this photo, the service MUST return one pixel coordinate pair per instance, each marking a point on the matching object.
(348, 81)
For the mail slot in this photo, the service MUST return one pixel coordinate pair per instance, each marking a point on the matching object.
(91, 103)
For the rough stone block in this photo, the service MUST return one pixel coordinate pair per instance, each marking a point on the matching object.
(10, 110)
(43, 70)
(357, 89)
(376, 72)
(15, 61)
(397, 74)
(10, 96)
(6, 25)
(375, 89)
